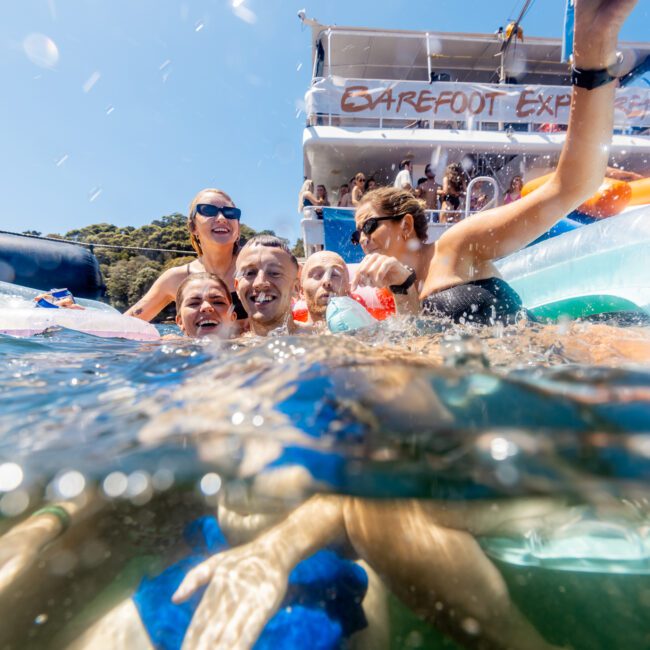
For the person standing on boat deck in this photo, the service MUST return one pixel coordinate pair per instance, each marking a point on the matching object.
(358, 189)
(451, 193)
(404, 179)
(455, 276)
(213, 223)
(371, 184)
(514, 191)
(430, 189)
(344, 196)
(306, 197)
(266, 279)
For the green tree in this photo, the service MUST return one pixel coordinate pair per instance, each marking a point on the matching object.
(299, 249)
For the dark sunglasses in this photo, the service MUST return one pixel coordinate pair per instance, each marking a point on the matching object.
(209, 210)
(369, 226)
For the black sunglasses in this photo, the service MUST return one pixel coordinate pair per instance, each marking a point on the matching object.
(209, 210)
(369, 226)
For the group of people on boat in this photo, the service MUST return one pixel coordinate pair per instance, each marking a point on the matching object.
(446, 201)
(424, 552)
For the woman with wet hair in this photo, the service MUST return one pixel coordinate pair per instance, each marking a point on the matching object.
(456, 276)
(213, 223)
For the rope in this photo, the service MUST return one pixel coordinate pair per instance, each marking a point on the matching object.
(92, 245)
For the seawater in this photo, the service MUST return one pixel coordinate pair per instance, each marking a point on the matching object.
(160, 433)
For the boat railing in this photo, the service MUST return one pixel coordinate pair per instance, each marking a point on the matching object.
(313, 230)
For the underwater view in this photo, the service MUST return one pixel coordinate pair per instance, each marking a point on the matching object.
(503, 449)
(384, 384)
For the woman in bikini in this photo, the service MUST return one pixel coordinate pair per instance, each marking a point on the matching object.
(213, 223)
(456, 276)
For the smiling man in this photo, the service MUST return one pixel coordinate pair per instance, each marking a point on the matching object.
(324, 276)
(204, 306)
(266, 280)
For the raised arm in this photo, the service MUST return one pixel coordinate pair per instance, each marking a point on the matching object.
(161, 293)
(583, 160)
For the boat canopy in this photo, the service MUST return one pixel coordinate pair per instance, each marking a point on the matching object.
(358, 53)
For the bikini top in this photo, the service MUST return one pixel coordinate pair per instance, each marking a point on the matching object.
(483, 302)
(240, 312)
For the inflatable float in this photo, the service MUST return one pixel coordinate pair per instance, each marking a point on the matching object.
(37, 263)
(21, 318)
(599, 268)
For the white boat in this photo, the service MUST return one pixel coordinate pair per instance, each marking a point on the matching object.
(500, 107)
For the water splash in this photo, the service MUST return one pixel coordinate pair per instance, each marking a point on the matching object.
(41, 50)
(91, 81)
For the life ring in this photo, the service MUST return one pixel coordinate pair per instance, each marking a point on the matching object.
(640, 192)
(612, 197)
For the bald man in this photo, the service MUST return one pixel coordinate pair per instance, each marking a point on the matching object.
(324, 275)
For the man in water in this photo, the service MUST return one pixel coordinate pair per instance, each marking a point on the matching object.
(266, 280)
(204, 306)
(323, 276)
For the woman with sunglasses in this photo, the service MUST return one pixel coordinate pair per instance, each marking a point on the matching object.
(213, 223)
(455, 276)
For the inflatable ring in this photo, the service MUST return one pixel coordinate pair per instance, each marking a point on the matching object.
(612, 197)
(640, 192)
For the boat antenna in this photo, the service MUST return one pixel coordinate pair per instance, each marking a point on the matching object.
(509, 36)
(302, 16)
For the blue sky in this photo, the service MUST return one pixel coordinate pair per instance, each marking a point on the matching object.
(144, 102)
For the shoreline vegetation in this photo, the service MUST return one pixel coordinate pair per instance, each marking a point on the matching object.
(128, 274)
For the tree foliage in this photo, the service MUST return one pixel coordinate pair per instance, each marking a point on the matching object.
(128, 272)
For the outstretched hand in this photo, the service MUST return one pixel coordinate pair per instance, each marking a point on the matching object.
(597, 24)
(245, 587)
(377, 270)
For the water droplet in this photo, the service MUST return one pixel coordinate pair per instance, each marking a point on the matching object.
(109, 110)
(91, 81)
(59, 161)
(237, 418)
(298, 68)
(69, 484)
(14, 503)
(11, 476)
(94, 193)
(243, 13)
(115, 484)
(258, 421)
(164, 64)
(199, 26)
(210, 484)
(41, 50)
(40, 619)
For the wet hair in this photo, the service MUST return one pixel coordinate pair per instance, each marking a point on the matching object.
(405, 163)
(456, 177)
(201, 276)
(194, 240)
(367, 185)
(424, 179)
(344, 185)
(271, 241)
(394, 202)
(428, 169)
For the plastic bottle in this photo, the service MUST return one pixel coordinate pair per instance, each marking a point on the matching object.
(345, 314)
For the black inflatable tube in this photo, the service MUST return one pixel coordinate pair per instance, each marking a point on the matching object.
(47, 264)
